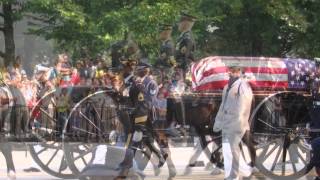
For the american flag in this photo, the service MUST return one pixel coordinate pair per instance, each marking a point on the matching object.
(211, 73)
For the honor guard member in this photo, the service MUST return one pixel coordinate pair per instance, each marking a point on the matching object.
(124, 50)
(147, 84)
(143, 93)
(166, 55)
(148, 90)
(185, 45)
(315, 108)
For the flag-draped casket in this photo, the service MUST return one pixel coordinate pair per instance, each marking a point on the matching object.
(211, 73)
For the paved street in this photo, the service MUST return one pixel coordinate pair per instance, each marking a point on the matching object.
(180, 155)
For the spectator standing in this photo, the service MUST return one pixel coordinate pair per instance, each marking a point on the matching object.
(233, 120)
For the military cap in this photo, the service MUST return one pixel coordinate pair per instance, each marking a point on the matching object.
(164, 27)
(187, 17)
(143, 65)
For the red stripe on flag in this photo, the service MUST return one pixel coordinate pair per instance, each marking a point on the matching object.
(216, 70)
(266, 70)
(248, 69)
(257, 70)
(268, 84)
(212, 86)
(193, 72)
(216, 85)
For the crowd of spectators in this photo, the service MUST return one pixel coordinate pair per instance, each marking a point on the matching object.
(84, 72)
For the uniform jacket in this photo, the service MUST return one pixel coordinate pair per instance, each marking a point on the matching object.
(185, 48)
(234, 111)
(166, 54)
(150, 90)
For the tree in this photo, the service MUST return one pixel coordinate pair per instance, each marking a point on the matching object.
(95, 24)
(224, 27)
(253, 27)
(10, 13)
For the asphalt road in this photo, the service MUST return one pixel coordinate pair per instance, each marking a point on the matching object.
(181, 155)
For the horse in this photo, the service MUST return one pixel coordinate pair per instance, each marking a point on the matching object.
(197, 113)
(6, 103)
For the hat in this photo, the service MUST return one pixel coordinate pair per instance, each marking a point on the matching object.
(143, 65)
(165, 27)
(45, 62)
(235, 66)
(187, 17)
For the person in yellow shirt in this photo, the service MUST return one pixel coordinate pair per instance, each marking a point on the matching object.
(62, 101)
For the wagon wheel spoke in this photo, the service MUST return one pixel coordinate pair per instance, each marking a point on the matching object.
(265, 145)
(63, 164)
(277, 158)
(42, 150)
(291, 153)
(280, 115)
(48, 115)
(90, 122)
(96, 111)
(283, 168)
(271, 151)
(82, 155)
(302, 159)
(84, 161)
(285, 146)
(50, 160)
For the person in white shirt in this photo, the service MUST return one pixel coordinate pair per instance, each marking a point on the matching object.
(233, 120)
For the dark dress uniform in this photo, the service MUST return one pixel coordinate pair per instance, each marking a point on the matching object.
(315, 107)
(166, 58)
(142, 96)
(185, 48)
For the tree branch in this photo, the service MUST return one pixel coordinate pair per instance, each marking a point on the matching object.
(1, 54)
(37, 18)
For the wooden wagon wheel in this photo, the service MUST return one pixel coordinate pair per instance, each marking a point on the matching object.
(47, 150)
(98, 125)
(277, 126)
(94, 124)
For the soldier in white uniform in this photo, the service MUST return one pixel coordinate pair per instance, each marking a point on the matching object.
(232, 119)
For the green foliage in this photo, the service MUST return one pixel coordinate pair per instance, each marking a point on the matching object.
(224, 27)
(94, 24)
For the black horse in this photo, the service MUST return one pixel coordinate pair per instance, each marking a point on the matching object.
(197, 113)
(5, 116)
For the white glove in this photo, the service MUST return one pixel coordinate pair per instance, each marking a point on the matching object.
(217, 127)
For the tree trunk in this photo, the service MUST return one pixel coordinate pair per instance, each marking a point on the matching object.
(9, 54)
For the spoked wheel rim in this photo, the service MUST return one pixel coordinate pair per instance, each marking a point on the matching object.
(47, 151)
(50, 157)
(96, 131)
(282, 148)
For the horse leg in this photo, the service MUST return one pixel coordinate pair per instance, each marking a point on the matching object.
(165, 151)
(7, 153)
(156, 151)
